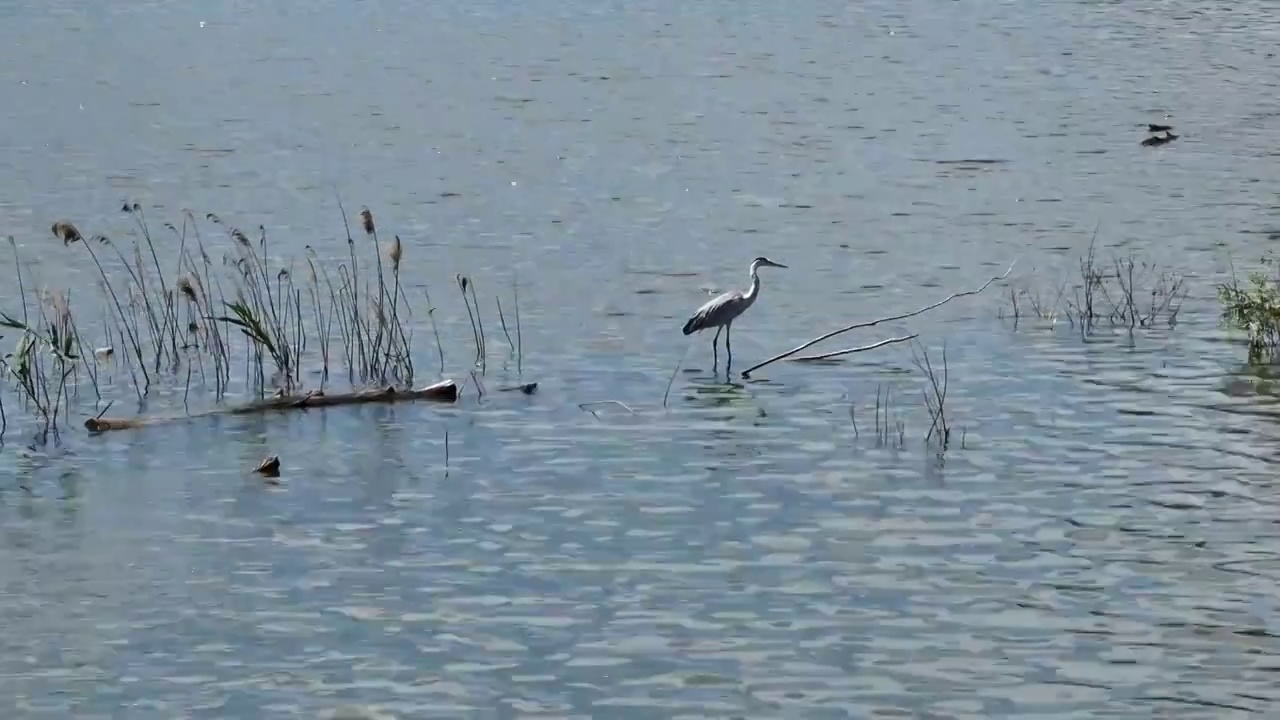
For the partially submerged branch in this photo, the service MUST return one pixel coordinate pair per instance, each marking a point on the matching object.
(444, 391)
(871, 323)
(588, 405)
(852, 350)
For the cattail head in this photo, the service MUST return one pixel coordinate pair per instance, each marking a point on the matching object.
(187, 288)
(66, 232)
(366, 219)
(395, 252)
(240, 237)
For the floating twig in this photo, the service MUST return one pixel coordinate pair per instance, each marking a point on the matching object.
(588, 405)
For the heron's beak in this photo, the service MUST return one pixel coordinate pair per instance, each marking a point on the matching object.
(776, 264)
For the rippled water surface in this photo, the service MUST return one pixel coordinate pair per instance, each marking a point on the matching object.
(1103, 543)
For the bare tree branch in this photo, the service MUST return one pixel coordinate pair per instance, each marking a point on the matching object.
(871, 323)
(852, 350)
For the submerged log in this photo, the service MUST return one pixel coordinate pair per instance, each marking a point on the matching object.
(443, 391)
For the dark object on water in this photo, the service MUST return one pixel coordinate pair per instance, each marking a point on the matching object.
(269, 467)
(1152, 127)
(66, 232)
(443, 391)
(1159, 139)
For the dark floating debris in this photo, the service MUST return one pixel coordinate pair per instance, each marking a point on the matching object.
(972, 161)
(66, 232)
(1162, 134)
(1167, 137)
(269, 467)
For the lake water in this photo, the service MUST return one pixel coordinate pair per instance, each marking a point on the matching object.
(1104, 544)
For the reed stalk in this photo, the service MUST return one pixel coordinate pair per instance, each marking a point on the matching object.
(215, 318)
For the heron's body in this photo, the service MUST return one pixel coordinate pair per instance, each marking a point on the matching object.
(721, 311)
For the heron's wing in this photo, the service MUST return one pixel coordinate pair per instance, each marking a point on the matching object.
(713, 312)
(716, 302)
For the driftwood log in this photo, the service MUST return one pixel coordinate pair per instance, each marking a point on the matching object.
(444, 391)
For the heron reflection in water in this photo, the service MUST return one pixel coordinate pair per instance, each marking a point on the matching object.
(721, 311)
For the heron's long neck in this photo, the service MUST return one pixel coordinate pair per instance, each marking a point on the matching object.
(755, 286)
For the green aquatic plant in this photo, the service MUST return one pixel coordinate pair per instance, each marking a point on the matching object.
(43, 360)
(1254, 309)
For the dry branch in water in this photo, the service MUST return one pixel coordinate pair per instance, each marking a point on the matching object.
(850, 351)
(444, 391)
(871, 323)
(935, 396)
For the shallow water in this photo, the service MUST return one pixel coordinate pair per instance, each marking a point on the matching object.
(1103, 544)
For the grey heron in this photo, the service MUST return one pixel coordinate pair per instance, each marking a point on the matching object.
(721, 311)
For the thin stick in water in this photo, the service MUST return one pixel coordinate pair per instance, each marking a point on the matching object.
(588, 405)
(674, 370)
(502, 319)
(515, 290)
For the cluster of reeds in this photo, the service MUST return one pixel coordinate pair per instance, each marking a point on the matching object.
(1123, 293)
(890, 429)
(45, 357)
(243, 320)
(935, 395)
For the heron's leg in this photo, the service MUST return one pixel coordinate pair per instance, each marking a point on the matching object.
(727, 348)
(715, 351)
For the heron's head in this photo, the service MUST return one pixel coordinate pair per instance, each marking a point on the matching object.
(763, 261)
